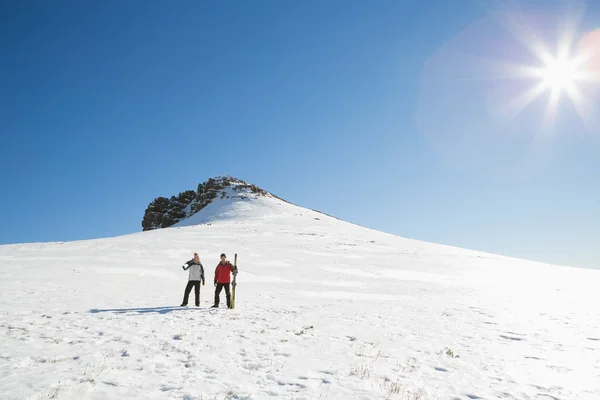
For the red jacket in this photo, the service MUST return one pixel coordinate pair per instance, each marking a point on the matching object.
(223, 272)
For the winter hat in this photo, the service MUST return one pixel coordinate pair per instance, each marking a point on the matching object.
(223, 255)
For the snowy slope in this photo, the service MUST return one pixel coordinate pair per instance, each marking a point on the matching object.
(325, 310)
(238, 205)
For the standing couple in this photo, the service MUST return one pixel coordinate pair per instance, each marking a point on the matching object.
(222, 279)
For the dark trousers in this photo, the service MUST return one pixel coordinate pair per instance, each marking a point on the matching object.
(218, 289)
(188, 289)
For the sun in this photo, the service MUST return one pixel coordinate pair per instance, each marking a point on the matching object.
(560, 74)
(569, 71)
(563, 74)
(556, 75)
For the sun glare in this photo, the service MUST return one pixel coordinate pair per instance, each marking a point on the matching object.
(571, 71)
(559, 74)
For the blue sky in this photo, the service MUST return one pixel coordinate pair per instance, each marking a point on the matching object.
(332, 105)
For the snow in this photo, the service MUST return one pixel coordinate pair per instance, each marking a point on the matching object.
(324, 310)
(188, 210)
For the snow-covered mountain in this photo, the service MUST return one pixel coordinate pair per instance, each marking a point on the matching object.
(325, 309)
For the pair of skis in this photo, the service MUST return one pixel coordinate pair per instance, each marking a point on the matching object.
(234, 283)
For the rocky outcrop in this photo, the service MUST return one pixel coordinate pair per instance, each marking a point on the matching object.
(163, 212)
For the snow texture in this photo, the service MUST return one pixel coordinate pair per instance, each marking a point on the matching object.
(324, 310)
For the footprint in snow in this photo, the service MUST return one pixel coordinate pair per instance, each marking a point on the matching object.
(559, 368)
(294, 384)
(516, 339)
(166, 388)
(548, 396)
(253, 366)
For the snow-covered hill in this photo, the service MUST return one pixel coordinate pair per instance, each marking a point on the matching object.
(325, 310)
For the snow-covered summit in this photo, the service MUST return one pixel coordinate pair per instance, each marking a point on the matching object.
(164, 212)
(239, 201)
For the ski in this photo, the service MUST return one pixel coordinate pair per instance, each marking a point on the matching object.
(234, 283)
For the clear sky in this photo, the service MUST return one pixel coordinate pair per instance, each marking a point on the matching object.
(376, 112)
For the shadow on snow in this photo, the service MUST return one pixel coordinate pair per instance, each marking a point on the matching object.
(158, 310)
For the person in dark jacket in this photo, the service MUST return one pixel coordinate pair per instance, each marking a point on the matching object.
(223, 279)
(196, 275)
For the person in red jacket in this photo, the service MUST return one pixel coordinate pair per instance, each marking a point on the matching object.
(223, 279)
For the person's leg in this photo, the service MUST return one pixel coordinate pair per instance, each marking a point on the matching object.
(186, 295)
(227, 294)
(218, 293)
(197, 292)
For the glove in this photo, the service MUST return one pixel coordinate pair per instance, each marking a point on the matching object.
(183, 268)
(215, 283)
(202, 283)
